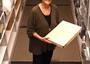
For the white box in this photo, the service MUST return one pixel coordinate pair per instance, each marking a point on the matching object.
(63, 33)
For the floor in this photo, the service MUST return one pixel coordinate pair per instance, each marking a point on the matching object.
(51, 63)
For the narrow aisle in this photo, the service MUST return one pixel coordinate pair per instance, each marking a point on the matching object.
(70, 53)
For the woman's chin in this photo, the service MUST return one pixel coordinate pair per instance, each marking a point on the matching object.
(47, 3)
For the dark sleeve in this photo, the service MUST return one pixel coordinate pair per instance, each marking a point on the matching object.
(57, 15)
(31, 24)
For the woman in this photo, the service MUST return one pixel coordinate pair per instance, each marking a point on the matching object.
(43, 18)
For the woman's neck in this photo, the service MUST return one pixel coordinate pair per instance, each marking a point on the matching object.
(45, 6)
(46, 9)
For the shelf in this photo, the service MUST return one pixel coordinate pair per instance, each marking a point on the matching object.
(73, 11)
(1, 14)
(10, 31)
(5, 26)
(11, 44)
(17, 7)
(2, 53)
(89, 34)
(18, 19)
(1, 30)
(2, 36)
(82, 10)
(18, 15)
(13, 37)
(14, 26)
(11, 16)
(11, 20)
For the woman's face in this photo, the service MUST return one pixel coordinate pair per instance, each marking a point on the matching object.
(47, 2)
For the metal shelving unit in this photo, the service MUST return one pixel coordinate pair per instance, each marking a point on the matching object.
(81, 10)
(11, 25)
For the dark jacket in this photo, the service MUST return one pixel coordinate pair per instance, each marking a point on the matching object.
(37, 23)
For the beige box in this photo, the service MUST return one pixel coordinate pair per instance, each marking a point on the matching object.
(63, 33)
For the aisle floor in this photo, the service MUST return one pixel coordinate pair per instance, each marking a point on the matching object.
(51, 63)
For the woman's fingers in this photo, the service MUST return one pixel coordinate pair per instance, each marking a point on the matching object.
(47, 40)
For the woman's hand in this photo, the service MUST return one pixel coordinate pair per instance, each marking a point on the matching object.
(46, 40)
(42, 38)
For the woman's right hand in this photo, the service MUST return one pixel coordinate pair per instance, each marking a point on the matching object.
(42, 38)
(46, 40)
